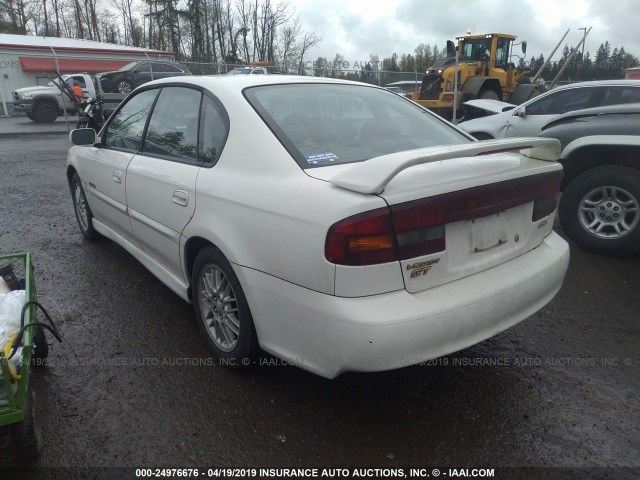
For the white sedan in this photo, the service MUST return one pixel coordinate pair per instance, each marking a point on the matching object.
(338, 239)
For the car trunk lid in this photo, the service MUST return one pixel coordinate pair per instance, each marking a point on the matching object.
(457, 210)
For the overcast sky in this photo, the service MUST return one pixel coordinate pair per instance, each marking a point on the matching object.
(357, 28)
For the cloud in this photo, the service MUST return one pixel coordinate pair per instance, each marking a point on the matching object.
(357, 28)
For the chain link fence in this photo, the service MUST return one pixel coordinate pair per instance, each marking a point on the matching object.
(49, 86)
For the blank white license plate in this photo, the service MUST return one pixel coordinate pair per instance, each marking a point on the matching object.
(488, 232)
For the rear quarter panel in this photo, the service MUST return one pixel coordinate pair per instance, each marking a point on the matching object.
(264, 212)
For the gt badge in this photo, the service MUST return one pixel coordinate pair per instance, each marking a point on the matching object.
(421, 268)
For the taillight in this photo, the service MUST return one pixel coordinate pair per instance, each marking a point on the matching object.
(417, 228)
(363, 239)
(548, 196)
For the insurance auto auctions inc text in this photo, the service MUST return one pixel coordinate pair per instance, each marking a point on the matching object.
(374, 473)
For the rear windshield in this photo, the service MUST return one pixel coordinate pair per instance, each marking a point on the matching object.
(322, 124)
(240, 71)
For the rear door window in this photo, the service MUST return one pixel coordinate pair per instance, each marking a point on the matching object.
(143, 68)
(616, 95)
(214, 130)
(173, 127)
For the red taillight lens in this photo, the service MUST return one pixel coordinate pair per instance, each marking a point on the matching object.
(548, 196)
(363, 239)
(418, 227)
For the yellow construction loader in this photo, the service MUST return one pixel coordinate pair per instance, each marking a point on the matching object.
(484, 71)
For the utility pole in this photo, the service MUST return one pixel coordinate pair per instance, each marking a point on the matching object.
(582, 59)
(566, 64)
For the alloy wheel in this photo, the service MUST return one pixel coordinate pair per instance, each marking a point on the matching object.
(609, 212)
(219, 308)
(80, 204)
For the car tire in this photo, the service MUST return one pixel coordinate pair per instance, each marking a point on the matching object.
(44, 111)
(84, 216)
(222, 311)
(600, 211)
(124, 86)
(26, 436)
(488, 95)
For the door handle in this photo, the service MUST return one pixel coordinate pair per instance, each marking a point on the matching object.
(180, 197)
(117, 177)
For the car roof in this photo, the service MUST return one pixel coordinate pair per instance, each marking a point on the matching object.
(240, 82)
(598, 83)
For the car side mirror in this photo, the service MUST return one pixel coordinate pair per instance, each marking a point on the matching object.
(83, 136)
(522, 112)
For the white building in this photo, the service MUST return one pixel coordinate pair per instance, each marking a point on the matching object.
(28, 60)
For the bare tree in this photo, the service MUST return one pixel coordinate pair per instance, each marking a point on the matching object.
(309, 40)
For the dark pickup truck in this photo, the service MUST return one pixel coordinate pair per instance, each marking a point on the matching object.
(600, 205)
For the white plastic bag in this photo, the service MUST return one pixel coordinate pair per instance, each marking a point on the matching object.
(10, 309)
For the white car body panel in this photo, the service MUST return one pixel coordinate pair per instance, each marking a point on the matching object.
(509, 124)
(104, 176)
(329, 335)
(153, 188)
(270, 219)
(526, 125)
(375, 174)
(493, 125)
(493, 106)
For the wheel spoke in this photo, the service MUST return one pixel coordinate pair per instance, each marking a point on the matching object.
(219, 281)
(225, 293)
(205, 302)
(593, 223)
(233, 319)
(232, 326)
(225, 332)
(208, 284)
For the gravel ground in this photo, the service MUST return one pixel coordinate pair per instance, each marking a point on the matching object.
(561, 389)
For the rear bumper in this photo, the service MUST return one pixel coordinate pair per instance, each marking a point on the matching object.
(330, 335)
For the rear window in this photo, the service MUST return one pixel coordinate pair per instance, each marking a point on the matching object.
(323, 124)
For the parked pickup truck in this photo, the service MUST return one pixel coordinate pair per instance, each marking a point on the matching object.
(45, 103)
(600, 205)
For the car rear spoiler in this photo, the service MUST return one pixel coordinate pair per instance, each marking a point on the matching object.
(375, 174)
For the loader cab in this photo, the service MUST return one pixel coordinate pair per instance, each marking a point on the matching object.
(494, 49)
(503, 50)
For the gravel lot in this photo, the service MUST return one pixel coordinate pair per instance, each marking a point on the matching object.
(561, 389)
